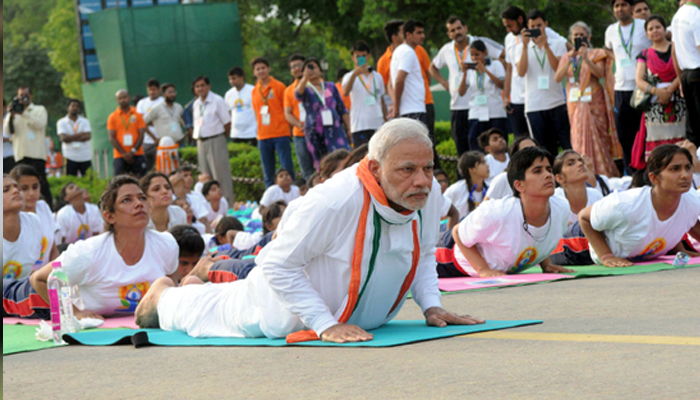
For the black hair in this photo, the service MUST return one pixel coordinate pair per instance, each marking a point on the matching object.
(437, 172)
(153, 83)
(279, 171)
(21, 170)
(201, 78)
(360, 46)
(341, 73)
(641, 1)
(295, 57)
(559, 161)
(64, 190)
(310, 180)
(411, 25)
(356, 155)
(207, 187)
(662, 156)
(226, 224)
(521, 161)
(309, 61)
(167, 86)
(275, 210)
(515, 146)
(236, 71)
(330, 162)
(639, 179)
(479, 45)
(71, 101)
(630, 2)
(259, 60)
(392, 29)
(485, 137)
(299, 182)
(188, 240)
(514, 13)
(655, 17)
(467, 161)
(535, 14)
(452, 19)
(184, 168)
(146, 180)
(108, 199)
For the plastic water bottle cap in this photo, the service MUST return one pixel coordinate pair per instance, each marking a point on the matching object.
(56, 264)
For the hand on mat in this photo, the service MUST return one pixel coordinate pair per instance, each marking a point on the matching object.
(343, 333)
(490, 273)
(617, 262)
(436, 316)
(555, 269)
(86, 314)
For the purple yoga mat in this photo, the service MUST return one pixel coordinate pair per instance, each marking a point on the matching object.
(117, 322)
(459, 284)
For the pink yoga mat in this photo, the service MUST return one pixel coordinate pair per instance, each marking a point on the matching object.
(668, 260)
(117, 322)
(458, 284)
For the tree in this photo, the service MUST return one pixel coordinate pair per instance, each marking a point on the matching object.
(60, 37)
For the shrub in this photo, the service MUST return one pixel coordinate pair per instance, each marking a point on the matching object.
(443, 131)
(90, 182)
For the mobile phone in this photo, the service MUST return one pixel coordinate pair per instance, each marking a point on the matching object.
(470, 65)
(579, 41)
(311, 67)
(509, 109)
(534, 32)
(361, 60)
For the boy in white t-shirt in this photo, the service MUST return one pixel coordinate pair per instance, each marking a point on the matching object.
(22, 234)
(495, 144)
(216, 203)
(281, 190)
(499, 187)
(76, 220)
(515, 233)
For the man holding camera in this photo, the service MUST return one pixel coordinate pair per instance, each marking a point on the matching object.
(26, 126)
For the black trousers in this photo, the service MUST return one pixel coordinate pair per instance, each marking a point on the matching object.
(690, 80)
(8, 163)
(627, 121)
(40, 167)
(460, 130)
(73, 167)
(517, 121)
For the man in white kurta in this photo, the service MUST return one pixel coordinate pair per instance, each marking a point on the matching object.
(343, 262)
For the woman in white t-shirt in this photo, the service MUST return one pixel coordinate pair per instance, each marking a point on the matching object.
(113, 271)
(466, 194)
(514, 233)
(164, 215)
(28, 179)
(571, 174)
(21, 234)
(485, 83)
(644, 223)
(216, 204)
(281, 190)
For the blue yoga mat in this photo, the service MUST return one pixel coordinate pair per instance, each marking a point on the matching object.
(394, 333)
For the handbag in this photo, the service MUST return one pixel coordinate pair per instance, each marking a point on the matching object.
(641, 100)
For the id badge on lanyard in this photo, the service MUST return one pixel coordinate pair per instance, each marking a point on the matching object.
(327, 117)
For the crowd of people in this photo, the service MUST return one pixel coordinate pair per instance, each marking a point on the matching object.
(371, 192)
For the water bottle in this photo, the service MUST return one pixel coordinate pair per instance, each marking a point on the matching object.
(217, 249)
(681, 260)
(60, 303)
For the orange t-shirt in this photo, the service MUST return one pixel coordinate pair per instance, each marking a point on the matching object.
(384, 66)
(346, 99)
(290, 100)
(424, 60)
(272, 96)
(125, 124)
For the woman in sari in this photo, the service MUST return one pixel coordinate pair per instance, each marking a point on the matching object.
(589, 102)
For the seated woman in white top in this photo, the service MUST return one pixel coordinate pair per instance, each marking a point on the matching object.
(571, 174)
(21, 234)
(216, 204)
(500, 188)
(281, 190)
(76, 220)
(113, 270)
(466, 194)
(164, 215)
(512, 234)
(28, 179)
(644, 223)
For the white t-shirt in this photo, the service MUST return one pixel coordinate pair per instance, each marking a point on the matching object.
(405, 59)
(495, 167)
(592, 194)
(143, 107)
(485, 98)
(213, 215)
(447, 57)
(275, 193)
(496, 229)
(176, 216)
(243, 122)
(499, 188)
(196, 202)
(632, 228)
(20, 256)
(198, 187)
(446, 204)
(366, 98)
(542, 92)
(625, 62)
(458, 193)
(246, 240)
(76, 226)
(7, 150)
(48, 227)
(686, 36)
(107, 285)
(75, 151)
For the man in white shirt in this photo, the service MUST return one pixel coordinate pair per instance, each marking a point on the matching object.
(308, 278)
(244, 126)
(454, 55)
(8, 156)
(368, 112)
(624, 40)
(212, 122)
(166, 117)
(144, 106)
(75, 134)
(545, 105)
(686, 55)
(407, 77)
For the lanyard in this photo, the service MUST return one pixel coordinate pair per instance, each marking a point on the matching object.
(480, 81)
(540, 60)
(464, 55)
(627, 46)
(76, 125)
(126, 124)
(264, 98)
(483, 193)
(374, 85)
(321, 98)
(578, 63)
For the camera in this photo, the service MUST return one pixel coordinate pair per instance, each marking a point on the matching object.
(17, 104)
(536, 32)
(311, 67)
(579, 41)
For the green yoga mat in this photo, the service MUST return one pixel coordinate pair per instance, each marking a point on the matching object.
(20, 338)
(394, 333)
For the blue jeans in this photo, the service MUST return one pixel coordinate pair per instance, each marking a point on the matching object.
(306, 163)
(268, 147)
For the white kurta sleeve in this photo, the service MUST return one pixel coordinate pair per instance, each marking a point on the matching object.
(425, 284)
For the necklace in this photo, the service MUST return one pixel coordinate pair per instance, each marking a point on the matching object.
(526, 225)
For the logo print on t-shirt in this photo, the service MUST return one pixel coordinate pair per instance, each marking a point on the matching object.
(44, 246)
(524, 259)
(11, 270)
(652, 250)
(238, 104)
(131, 295)
(83, 231)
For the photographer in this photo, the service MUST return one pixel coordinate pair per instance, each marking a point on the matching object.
(8, 156)
(26, 126)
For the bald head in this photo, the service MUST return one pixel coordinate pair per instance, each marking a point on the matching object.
(123, 98)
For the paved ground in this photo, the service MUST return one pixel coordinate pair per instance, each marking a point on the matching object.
(570, 356)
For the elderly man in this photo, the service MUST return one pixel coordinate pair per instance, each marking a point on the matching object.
(340, 266)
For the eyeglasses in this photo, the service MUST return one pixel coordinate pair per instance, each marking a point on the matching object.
(296, 66)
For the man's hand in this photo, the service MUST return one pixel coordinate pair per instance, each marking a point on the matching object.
(490, 273)
(393, 112)
(361, 69)
(342, 333)
(616, 262)
(555, 269)
(86, 314)
(436, 316)
(526, 37)
(129, 157)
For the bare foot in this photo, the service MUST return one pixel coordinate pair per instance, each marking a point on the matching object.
(147, 310)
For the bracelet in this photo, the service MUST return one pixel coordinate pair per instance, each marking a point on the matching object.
(605, 257)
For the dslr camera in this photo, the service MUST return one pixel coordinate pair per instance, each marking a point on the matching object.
(17, 104)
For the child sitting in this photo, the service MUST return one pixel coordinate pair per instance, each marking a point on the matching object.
(466, 194)
(216, 203)
(281, 190)
(191, 247)
(495, 144)
(76, 220)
